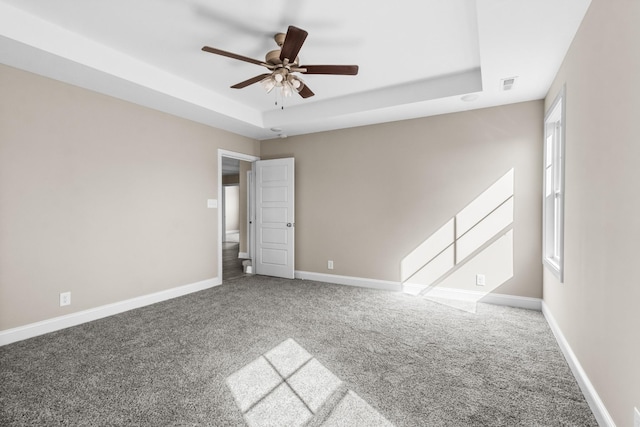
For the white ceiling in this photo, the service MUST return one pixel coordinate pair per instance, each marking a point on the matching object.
(416, 58)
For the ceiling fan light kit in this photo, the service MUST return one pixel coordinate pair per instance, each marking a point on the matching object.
(283, 63)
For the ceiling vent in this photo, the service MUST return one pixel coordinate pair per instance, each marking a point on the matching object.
(507, 83)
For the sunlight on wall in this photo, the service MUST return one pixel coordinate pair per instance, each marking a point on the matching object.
(286, 386)
(477, 240)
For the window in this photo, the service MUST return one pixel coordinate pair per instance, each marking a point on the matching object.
(553, 202)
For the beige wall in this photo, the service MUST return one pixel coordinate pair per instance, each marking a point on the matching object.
(597, 306)
(99, 197)
(366, 197)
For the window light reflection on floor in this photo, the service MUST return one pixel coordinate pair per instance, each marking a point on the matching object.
(286, 386)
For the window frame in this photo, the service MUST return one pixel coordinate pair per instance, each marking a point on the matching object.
(553, 170)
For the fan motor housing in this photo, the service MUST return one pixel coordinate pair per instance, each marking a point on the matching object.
(279, 38)
(273, 58)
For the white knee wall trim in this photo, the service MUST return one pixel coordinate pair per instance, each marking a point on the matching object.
(50, 325)
(590, 393)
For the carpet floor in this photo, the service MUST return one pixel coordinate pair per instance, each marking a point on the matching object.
(255, 350)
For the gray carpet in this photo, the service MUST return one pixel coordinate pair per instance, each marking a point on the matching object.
(412, 361)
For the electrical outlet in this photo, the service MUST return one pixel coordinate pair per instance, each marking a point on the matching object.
(65, 298)
(636, 417)
(480, 280)
(330, 265)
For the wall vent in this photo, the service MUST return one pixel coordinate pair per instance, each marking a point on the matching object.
(508, 82)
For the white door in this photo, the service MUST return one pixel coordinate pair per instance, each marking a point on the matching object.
(275, 217)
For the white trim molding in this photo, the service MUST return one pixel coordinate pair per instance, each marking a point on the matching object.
(513, 301)
(591, 395)
(20, 333)
(243, 255)
(349, 280)
(455, 294)
(488, 298)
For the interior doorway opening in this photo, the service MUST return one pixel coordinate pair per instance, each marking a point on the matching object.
(234, 214)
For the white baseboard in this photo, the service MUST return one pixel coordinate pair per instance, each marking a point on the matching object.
(50, 325)
(513, 301)
(590, 393)
(456, 294)
(244, 255)
(349, 281)
(413, 288)
(489, 298)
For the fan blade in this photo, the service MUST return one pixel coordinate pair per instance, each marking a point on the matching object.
(305, 92)
(292, 43)
(232, 55)
(343, 70)
(251, 81)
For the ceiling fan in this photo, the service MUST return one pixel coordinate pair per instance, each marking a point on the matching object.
(283, 63)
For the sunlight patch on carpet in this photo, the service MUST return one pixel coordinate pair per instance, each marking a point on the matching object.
(287, 386)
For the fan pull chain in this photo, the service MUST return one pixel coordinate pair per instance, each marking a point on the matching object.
(282, 97)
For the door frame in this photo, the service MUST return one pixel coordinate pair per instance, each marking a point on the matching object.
(233, 155)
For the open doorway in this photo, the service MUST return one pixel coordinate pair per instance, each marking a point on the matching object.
(234, 241)
(234, 213)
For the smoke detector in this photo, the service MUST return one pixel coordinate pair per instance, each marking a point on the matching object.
(508, 82)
